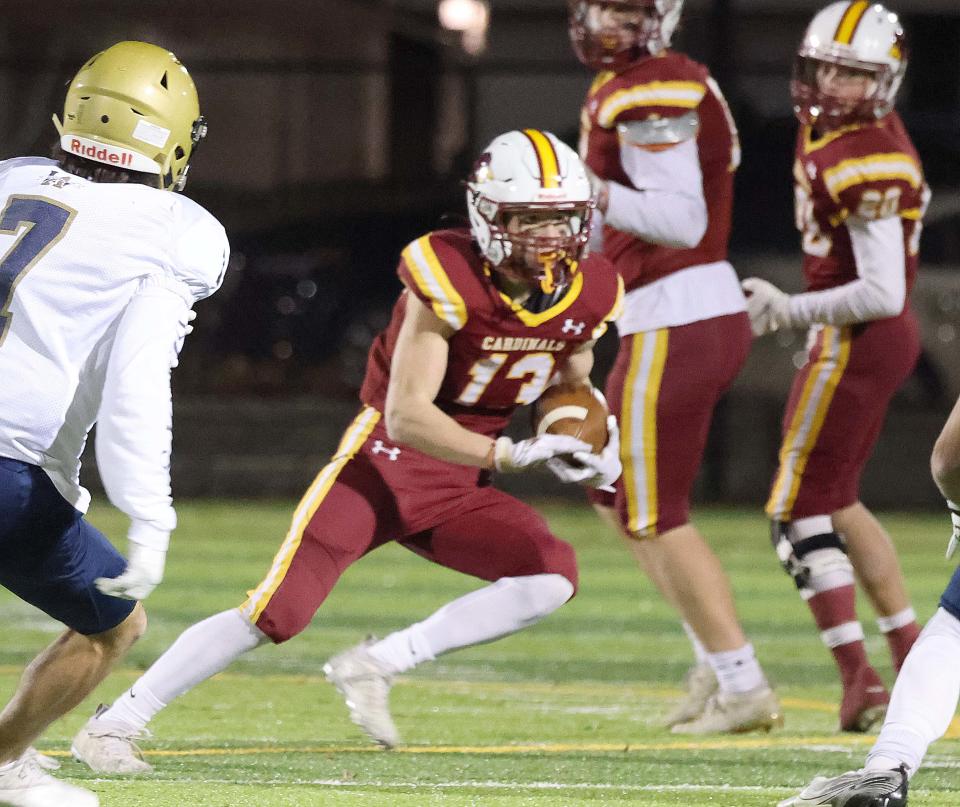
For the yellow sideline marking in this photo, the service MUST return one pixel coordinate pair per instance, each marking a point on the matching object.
(717, 744)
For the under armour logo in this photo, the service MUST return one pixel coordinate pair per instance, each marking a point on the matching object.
(380, 448)
(569, 326)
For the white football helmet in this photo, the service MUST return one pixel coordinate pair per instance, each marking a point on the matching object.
(603, 40)
(860, 36)
(525, 173)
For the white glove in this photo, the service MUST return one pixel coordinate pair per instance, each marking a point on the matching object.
(955, 538)
(598, 189)
(593, 470)
(143, 574)
(510, 457)
(767, 306)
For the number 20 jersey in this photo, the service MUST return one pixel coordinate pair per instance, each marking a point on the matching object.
(501, 355)
(72, 255)
(870, 171)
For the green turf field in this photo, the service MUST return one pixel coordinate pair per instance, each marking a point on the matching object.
(565, 713)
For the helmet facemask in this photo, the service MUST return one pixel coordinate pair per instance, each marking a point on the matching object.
(536, 245)
(831, 91)
(613, 34)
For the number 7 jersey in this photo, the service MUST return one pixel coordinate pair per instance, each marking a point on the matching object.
(73, 253)
(501, 355)
(869, 171)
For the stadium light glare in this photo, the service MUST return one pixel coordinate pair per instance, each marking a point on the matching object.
(462, 15)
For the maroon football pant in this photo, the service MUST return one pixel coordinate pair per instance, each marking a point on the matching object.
(835, 411)
(663, 388)
(374, 491)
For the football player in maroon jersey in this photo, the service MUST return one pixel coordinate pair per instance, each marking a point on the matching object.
(490, 315)
(860, 196)
(661, 143)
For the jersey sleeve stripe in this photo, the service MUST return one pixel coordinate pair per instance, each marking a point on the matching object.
(850, 21)
(872, 168)
(601, 329)
(434, 283)
(352, 441)
(682, 94)
(546, 157)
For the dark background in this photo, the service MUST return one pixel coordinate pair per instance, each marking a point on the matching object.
(341, 129)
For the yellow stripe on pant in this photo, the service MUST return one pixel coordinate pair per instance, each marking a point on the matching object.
(353, 438)
(638, 421)
(808, 420)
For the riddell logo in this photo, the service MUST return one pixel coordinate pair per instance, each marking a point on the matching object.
(101, 154)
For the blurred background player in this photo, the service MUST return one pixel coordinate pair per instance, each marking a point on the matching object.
(658, 136)
(99, 270)
(489, 316)
(924, 699)
(860, 196)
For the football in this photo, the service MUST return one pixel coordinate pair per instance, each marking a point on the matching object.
(572, 409)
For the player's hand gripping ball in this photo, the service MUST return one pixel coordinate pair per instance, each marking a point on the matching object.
(574, 410)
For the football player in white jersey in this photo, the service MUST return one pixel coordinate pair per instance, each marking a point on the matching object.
(925, 696)
(99, 268)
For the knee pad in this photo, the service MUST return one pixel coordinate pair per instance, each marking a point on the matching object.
(818, 562)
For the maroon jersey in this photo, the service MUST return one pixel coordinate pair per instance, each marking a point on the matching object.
(501, 355)
(669, 85)
(870, 171)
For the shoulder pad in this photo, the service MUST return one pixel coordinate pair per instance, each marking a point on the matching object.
(202, 250)
(432, 273)
(660, 131)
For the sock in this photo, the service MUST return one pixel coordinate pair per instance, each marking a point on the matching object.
(503, 607)
(699, 651)
(737, 671)
(835, 614)
(200, 652)
(901, 631)
(924, 697)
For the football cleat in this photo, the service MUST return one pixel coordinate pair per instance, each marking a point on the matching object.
(365, 684)
(700, 683)
(109, 747)
(864, 702)
(24, 783)
(45, 762)
(854, 789)
(757, 710)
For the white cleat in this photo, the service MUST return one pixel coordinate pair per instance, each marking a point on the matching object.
(23, 783)
(365, 685)
(854, 789)
(757, 710)
(700, 683)
(109, 748)
(45, 762)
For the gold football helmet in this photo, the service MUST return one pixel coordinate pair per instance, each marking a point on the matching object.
(134, 106)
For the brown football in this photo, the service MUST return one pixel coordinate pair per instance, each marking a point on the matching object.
(572, 409)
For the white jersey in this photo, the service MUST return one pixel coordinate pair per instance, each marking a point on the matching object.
(96, 282)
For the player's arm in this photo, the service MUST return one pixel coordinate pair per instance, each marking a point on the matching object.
(666, 205)
(576, 369)
(133, 438)
(879, 291)
(945, 461)
(416, 373)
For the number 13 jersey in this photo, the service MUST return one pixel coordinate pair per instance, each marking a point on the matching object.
(500, 355)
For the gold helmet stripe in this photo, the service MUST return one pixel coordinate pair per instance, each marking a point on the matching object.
(850, 21)
(546, 156)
